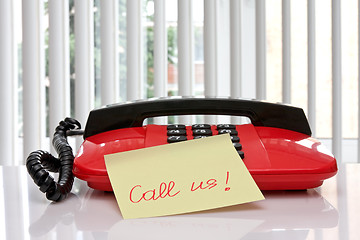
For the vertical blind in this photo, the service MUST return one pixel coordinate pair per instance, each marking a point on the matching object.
(223, 28)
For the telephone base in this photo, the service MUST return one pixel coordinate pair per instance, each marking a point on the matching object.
(277, 159)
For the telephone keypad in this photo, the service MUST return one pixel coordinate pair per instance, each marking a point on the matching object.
(178, 133)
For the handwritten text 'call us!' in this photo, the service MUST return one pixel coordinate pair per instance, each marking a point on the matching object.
(168, 190)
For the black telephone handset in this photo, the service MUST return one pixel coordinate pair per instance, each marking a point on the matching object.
(276, 143)
(132, 114)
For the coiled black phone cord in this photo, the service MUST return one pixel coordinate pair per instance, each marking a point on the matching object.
(39, 163)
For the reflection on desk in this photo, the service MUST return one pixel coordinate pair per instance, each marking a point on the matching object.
(328, 212)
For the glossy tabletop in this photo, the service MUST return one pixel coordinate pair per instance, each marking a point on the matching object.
(331, 211)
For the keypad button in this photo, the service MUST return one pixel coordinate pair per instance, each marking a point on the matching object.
(201, 126)
(237, 146)
(202, 132)
(241, 154)
(231, 131)
(176, 132)
(225, 126)
(176, 126)
(197, 137)
(235, 139)
(173, 139)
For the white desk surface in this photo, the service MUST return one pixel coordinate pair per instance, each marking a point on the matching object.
(331, 211)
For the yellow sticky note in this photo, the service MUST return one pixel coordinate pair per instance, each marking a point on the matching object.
(180, 177)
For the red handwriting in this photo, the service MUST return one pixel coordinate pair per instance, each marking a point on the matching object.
(165, 190)
(209, 184)
(137, 193)
(227, 180)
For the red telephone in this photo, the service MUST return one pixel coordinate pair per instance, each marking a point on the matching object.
(277, 147)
